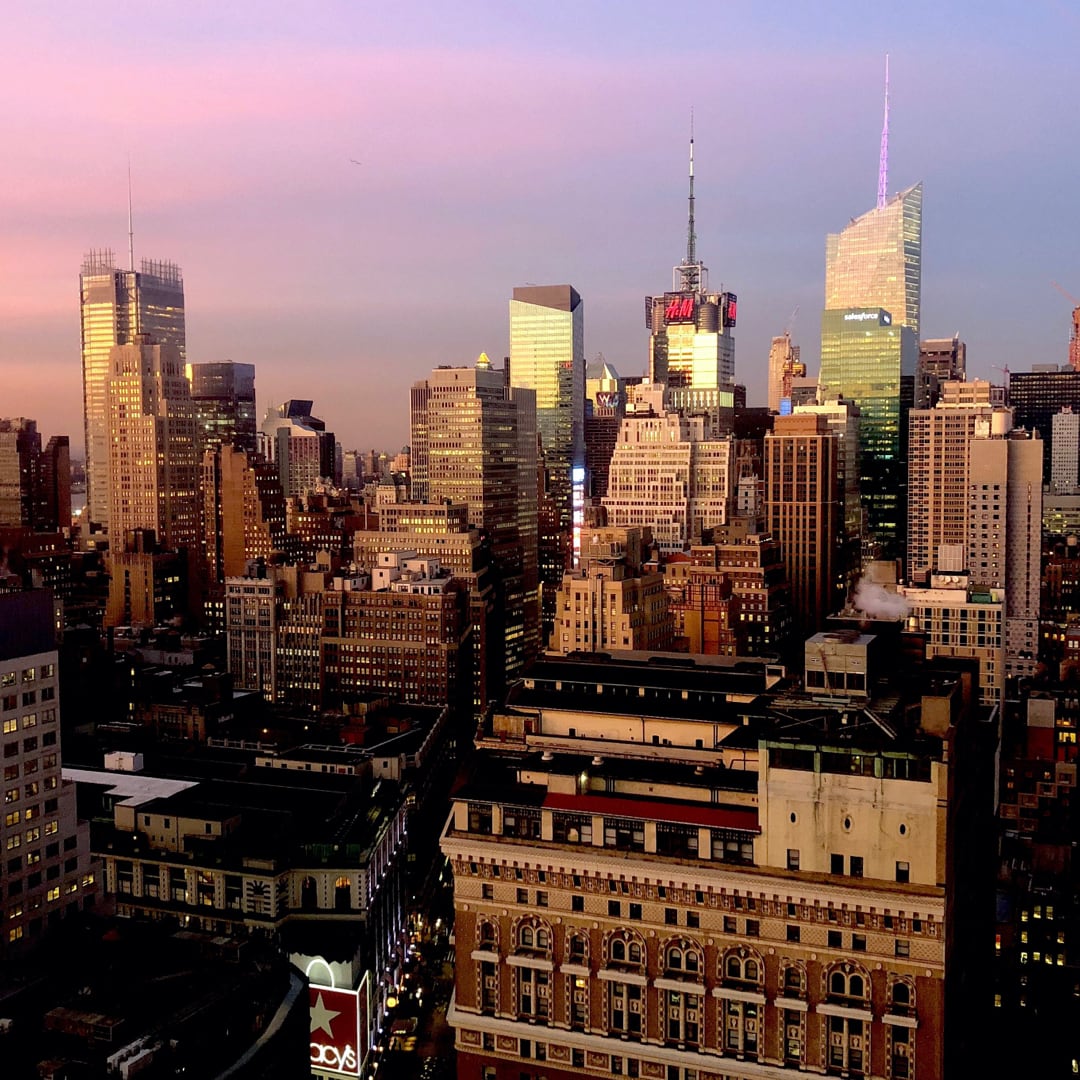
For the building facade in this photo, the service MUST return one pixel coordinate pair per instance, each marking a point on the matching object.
(153, 468)
(784, 367)
(48, 874)
(613, 920)
(243, 510)
(1065, 459)
(865, 352)
(117, 305)
(610, 603)
(547, 355)
(223, 394)
(804, 512)
(474, 443)
(669, 476)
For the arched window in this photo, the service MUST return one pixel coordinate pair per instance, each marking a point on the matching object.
(487, 933)
(742, 967)
(903, 999)
(543, 939)
(525, 937)
(683, 956)
(343, 893)
(848, 983)
(624, 947)
(577, 948)
(793, 981)
(309, 894)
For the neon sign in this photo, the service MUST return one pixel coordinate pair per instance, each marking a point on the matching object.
(679, 309)
(729, 308)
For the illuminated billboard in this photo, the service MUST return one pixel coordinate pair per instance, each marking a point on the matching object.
(679, 307)
(339, 1029)
(729, 308)
(607, 399)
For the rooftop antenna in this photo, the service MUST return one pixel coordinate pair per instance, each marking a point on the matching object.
(690, 274)
(131, 228)
(691, 237)
(883, 163)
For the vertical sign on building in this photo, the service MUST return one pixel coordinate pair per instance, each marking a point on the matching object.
(338, 1030)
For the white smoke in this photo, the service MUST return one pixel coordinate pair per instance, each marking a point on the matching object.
(877, 602)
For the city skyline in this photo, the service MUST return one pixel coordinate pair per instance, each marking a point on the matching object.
(612, 165)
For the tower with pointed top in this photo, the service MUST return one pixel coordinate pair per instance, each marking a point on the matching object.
(869, 344)
(691, 347)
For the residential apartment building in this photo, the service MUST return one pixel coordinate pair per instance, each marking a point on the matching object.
(48, 874)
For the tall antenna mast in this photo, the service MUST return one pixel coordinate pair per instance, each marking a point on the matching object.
(690, 275)
(883, 164)
(131, 228)
(691, 237)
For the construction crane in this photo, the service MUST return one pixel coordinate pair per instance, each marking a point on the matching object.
(1004, 371)
(1074, 341)
(791, 322)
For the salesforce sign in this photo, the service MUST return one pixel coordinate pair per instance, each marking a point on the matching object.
(875, 315)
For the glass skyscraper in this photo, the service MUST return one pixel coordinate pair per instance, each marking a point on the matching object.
(547, 355)
(876, 260)
(870, 350)
(224, 397)
(864, 355)
(115, 306)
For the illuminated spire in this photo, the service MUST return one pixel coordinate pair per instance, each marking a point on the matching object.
(883, 163)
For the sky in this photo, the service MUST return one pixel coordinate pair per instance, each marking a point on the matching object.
(508, 143)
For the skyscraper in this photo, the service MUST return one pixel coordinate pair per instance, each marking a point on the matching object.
(804, 511)
(605, 406)
(224, 398)
(1066, 456)
(784, 367)
(1037, 395)
(865, 353)
(48, 874)
(869, 342)
(691, 348)
(941, 360)
(298, 444)
(875, 261)
(474, 443)
(547, 355)
(938, 491)
(116, 305)
(153, 471)
(667, 475)
(243, 510)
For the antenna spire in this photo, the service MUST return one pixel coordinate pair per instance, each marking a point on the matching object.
(691, 236)
(883, 164)
(131, 228)
(690, 275)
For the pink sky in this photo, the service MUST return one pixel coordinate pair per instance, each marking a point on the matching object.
(501, 146)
